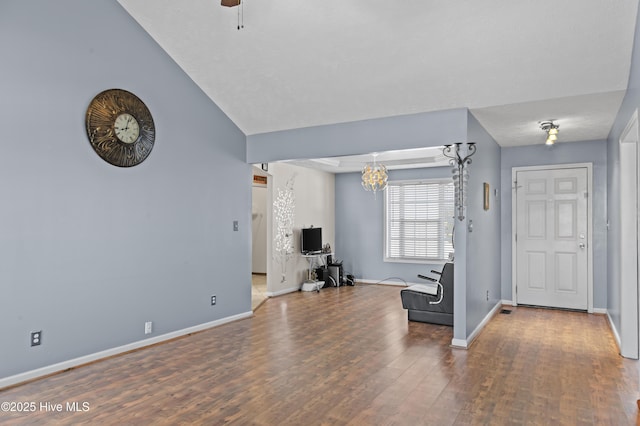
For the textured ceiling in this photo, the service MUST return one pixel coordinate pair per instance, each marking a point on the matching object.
(300, 63)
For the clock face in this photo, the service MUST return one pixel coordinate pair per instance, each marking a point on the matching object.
(126, 128)
(120, 128)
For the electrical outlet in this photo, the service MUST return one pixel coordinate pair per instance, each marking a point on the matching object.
(36, 338)
(487, 295)
(148, 327)
(213, 300)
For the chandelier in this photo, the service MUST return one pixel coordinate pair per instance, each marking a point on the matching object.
(460, 172)
(374, 176)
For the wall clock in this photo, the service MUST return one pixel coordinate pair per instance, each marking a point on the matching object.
(120, 128)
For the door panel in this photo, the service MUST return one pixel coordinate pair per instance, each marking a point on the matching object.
(536, 219)
(565, 220)
(566, 274)
(537, 267)
(551, 238)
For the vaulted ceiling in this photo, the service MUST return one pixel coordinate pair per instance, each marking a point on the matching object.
(300, 63)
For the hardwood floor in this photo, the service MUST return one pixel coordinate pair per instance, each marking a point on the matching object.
(258, 290)
(348, 355)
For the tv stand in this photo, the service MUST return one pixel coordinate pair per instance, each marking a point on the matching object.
(315, 260)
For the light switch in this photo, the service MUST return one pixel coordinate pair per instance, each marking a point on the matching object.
(235, 225)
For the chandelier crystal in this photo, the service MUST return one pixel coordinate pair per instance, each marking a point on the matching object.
(374, 176)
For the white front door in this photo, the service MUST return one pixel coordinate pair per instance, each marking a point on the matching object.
(551, 238)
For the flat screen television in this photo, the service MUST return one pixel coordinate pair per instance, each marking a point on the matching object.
(311, 240)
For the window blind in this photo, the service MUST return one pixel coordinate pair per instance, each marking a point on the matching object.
(419, 220)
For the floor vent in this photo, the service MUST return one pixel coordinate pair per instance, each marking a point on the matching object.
(505, 311)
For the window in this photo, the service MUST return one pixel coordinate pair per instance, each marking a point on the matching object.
(418, 220)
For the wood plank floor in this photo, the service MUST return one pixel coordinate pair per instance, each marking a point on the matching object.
(258, 290)
(349, 356)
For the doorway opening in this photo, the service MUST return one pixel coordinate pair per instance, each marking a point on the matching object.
(628, 259)
(259, 227)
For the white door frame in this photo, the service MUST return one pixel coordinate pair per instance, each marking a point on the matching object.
(514, 263)
(628, 261)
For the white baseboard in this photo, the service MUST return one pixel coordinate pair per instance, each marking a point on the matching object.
(388, 281)
(465, 343)
(507, 302)
(615, 332)
(281, 292)
(600, 311)
(459, 344)
(65, 365)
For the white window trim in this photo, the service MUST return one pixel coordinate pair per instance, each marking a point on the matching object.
(385, 222)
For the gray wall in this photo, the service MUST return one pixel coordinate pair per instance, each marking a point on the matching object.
(360, 228)
(359, 137)
(91, 251)
(594, 152)
(630, 103)
(482, 246)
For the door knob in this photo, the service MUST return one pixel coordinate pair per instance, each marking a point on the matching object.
(582, 245)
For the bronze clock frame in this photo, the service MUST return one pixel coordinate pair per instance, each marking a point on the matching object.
(100, 119)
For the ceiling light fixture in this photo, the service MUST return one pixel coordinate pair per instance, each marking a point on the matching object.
(552, 131)
(374, 176)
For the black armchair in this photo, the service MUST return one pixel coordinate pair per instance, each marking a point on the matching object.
(431, 303)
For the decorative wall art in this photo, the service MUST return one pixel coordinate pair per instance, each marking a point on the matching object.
(459, 155)
(120, 128)
(486, 191)
(284, 214)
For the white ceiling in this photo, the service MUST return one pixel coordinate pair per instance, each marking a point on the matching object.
(300, 63)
